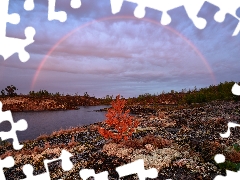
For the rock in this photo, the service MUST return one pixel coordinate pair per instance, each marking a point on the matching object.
(149, 147)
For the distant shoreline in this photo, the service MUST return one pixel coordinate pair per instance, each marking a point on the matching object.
(63, 103)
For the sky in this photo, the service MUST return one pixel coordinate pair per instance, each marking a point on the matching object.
(101, 53)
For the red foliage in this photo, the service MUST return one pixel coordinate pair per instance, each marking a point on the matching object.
(120, 125)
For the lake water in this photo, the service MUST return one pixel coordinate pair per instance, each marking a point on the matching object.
(46, 122)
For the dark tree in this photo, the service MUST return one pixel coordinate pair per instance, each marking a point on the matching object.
(10, 90)
(86, 94)
(3, 93)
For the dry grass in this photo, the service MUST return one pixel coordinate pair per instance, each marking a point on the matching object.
(166, 123)
(42, 137)
(113, 149)
(37, 154)
(156, 142)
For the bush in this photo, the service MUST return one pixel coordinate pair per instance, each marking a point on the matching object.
(229, 166)
(221, 91)
(232, 162)
(9, 91)
(120, 125)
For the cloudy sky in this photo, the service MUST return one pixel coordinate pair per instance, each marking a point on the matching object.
(103, 54)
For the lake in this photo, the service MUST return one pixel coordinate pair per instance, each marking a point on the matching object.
(45, 122)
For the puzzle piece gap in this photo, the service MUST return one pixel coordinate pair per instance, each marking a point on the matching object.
(137, 167)
(219, 158)
(53, 15)
(230, 125)
(20, 125)
(87, 173)
(76, 4)
(192, 8)
(5, 163)
(139, 12)
(29, 5)
(13, 18)
(66, 165)
(9, 45)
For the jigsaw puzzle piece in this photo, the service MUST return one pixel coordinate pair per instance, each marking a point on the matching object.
(219, 158)
(66, 166)
(229, 175)
(21, 125)
(137, 167)
(28, 171)
(230, 125)
(8, 46)
(227, 7)
(153, 4)
(192, 8)
(53, 15)
(66, 162)
(5, 163)
(235, 91)
(5, 17)
(61, 15)
(164, 6)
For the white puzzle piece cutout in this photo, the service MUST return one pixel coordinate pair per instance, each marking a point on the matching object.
(227, 7)
(9, 45)
(21, 125)
(230, 125)
(236, 89)
(137, 167)
(5, 163)
(192, 9)
(61, 15)
(29, 5)
(219, 158)
(76, 4)
(66, 166)
(87, 173)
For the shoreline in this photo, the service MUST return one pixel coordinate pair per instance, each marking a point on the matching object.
(25, 104)
(193, 132)
(58, 103)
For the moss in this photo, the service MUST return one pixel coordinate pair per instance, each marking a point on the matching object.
(236, 147)
(229, 166)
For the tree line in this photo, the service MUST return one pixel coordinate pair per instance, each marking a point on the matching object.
(221, 91)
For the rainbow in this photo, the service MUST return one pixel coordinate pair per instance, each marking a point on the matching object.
(203, 59)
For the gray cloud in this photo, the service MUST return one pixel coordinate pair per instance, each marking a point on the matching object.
(120, 54)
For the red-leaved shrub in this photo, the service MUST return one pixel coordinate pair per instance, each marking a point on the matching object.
(120, 125)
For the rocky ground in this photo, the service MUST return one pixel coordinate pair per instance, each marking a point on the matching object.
(179, 142)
